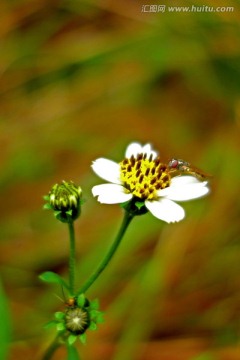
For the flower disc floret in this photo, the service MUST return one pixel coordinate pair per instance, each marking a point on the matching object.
(143, 176)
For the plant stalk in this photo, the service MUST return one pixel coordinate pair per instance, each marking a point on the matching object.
(103, 264)
(72, 260)
(51, 349)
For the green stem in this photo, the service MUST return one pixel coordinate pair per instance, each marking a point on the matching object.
(51, 349)
(71, 258)
(126, 221)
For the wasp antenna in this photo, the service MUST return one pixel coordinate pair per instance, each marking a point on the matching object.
(63, 294)
(59, 298)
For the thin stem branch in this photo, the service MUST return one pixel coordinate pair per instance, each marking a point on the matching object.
(126, 221)
(72, 259)
(52, 348)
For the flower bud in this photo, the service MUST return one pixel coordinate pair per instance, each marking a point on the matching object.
(80, 314)
(65, 200)
(77, 320)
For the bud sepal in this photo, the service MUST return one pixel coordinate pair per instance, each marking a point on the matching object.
(134, 207)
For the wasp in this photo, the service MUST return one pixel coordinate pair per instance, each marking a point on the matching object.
(71, 302)
(181, 167)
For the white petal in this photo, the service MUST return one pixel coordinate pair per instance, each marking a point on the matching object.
(184, 192)
(111, 194)
(183, 180)
(165, 210)
(133, 149)
(136, 148)
(148, 150)
(107, 170)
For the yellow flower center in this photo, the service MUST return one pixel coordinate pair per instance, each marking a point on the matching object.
(143, 176)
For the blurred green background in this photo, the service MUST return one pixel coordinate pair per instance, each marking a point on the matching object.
(81, 80)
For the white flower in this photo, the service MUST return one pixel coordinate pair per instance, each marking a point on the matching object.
(142, 176)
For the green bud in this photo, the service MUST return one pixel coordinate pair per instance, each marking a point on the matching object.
(80, 315)
(65, 200)
(77, 320)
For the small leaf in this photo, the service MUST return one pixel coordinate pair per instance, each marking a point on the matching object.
(92, 326)
(50, 324)
(72, 353)
(71, 339)
(81, 300)
(139, 204)
(59, 315)
(99, 318)
(57, 213)
(47, 206)
(94, 305)
(83, 338)
(53, 278)
(94, 313)
(60, 327)
(124, 204)
(46, 197)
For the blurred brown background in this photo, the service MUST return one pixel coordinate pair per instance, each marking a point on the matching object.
(80, 80)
